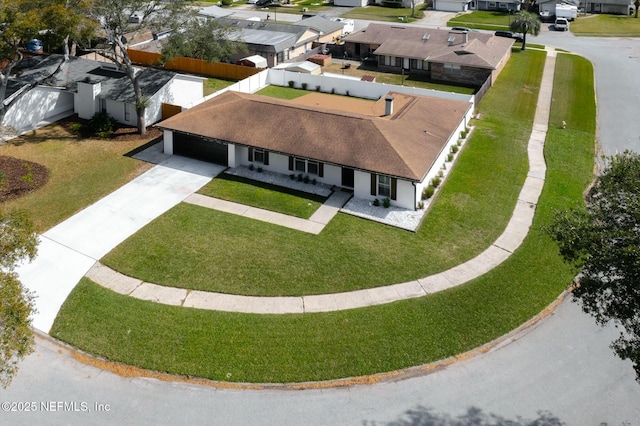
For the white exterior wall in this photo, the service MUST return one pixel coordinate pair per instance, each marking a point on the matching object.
(332, 175)
(87, 100)
(357, 88)
(362, 185)
(167, 142)
(184, 89)
(39, 104)
(350, 3)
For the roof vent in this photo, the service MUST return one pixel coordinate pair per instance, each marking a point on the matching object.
(451, 39)
(426, 36)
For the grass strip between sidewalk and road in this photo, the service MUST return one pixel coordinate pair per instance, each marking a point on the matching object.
(231, 254)
(308, 347)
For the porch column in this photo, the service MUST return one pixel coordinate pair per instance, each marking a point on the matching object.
(168, 142)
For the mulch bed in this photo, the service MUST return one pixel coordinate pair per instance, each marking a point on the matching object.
(19, 177)
(120, 134)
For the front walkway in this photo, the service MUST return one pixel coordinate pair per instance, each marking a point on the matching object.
(498, 252)
(314, 225)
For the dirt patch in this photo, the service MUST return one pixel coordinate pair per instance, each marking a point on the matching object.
(19, 177)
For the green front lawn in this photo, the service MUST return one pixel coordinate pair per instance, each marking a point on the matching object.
(296, 348)
(603, 25)
(385, 14)
(263, 195)
(482, 20)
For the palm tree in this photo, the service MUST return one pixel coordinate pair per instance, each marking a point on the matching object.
(525, 22)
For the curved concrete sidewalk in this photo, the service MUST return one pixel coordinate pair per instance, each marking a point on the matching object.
(498, 252)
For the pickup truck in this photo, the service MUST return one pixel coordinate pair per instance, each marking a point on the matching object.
(561, 24)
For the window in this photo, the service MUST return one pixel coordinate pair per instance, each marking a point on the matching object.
(398, 62)
(306, 166)
(300, 165)
(127, 112)
(384, 186)
(452, 69)
(258, 155)
(492, 4)
(312, 167)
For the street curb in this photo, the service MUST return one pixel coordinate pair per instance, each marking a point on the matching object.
(127, 371)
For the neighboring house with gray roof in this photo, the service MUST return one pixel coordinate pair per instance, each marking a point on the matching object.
(388, 149)
(453, 5)
(460, 57)
(86, 87)
(328, 30)
(614, 7)
(274, 41)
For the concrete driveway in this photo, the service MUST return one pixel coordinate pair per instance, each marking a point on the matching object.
(68, 250)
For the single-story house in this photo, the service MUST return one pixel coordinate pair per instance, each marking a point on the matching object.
(391, 149)
(459, 57)
(614, 7)
(328, 29)
(453, 5)
(276, 42)
(504, 5)
(86, 87)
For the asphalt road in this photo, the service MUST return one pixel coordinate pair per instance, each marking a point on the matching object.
(562, 367)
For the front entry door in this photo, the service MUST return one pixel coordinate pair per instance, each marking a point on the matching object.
(347, 177)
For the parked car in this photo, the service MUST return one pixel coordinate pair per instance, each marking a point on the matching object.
(34, 45)
(466, 29)
(263, 3)
(561, 24)
(509, 34)
(251, 1)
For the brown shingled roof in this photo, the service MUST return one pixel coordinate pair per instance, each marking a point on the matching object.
(481, 50)
(404, 144)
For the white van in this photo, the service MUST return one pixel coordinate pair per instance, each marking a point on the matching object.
(561, 24)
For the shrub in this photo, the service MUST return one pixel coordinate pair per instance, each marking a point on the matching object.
(227, 2)
(428, 192)
(76, 127)
(291, 83)
(440, 173)
(386, 203)
(100, 124)
(292, 176)
(333, 91)
(259, 169)
(314, 181)
(348, 93)
(376, 202)
(304, 86)
(251, 167)
(463, 134)
(300, 177)
(435, 182)
(459, 142)
(420, 205)
(317, 88)
(454, 148)
(306, 179)
(450, 157)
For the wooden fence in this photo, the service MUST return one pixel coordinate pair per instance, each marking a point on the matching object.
(194, 66)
